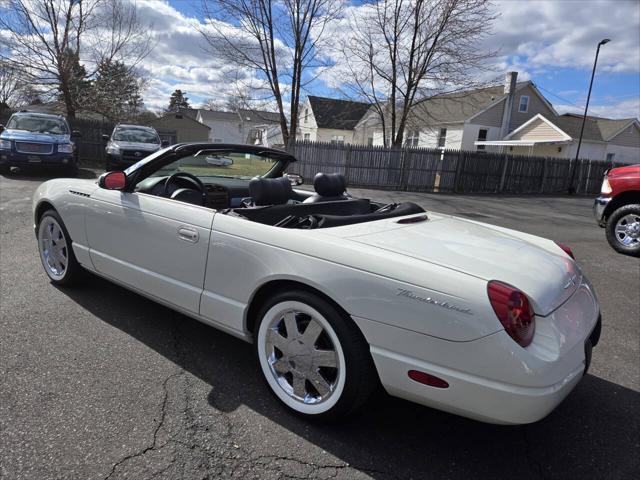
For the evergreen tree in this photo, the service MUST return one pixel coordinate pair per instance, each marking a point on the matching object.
(177, 101)
(116, 91)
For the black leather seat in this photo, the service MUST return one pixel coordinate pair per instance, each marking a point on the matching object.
(272, 214)
(329, 187)
(270, 191)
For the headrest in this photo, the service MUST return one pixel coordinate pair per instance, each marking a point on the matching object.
(329, 184)
(270, 191)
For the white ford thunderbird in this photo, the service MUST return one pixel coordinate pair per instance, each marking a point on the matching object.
(337, 293)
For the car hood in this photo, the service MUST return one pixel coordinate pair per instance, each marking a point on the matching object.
(631, 170)
(24, 136)
(147, 147)
(534, 265)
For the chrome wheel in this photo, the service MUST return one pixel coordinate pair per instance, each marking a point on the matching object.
(301, 357)
(627, 230)
(54, 251)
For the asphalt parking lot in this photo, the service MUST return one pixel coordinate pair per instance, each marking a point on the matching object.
(97, 382)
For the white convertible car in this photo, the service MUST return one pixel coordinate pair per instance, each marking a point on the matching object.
(337, 294)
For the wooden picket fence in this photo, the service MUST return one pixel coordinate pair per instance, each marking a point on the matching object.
(448, 171)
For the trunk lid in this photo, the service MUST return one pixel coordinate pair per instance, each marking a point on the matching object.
(486, 252)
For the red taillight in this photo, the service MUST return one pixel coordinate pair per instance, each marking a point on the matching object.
(427, 379)
(514, 312)
(566, 249)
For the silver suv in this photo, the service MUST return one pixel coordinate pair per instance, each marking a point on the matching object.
(128, 144)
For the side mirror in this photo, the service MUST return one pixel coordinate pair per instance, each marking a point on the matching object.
(295, 179)
(105, 138)
(165, 143)
(76, 134)
(113, 181)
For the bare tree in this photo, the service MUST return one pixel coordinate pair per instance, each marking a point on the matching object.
(47, 39)
(277, 40)
(400, 52)
(10, 86)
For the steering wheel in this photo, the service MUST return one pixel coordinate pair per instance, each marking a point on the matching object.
(195, 180)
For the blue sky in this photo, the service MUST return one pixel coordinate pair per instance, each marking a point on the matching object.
(549, 42)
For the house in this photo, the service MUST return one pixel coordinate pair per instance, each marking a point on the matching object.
(241, 126)
(329, 120)
(602, 139)
(515, 117)
(457, 120)
(179, 127)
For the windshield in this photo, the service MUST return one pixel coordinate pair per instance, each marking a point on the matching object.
(35, 123)
(136, 135)
(220, 164)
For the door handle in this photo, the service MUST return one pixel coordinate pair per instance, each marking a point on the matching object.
(188, 234)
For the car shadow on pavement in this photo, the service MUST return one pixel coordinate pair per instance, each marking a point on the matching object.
(592, 434)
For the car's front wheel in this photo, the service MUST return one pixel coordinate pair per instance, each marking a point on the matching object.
(56, 253)
(623, 230)
(313, 356)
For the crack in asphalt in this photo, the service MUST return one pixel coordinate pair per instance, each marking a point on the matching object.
(163, 408)
(230, 459)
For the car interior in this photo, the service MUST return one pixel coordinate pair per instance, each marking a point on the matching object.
(269, 198)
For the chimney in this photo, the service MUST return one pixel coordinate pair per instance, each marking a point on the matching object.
(510, 92)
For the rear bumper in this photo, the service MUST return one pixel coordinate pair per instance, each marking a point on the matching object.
(599, 206)
(491, 379)
(57, 160)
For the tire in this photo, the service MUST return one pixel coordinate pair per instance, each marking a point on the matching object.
(623, 230)
(5, 169)
(324, 386)
(107, 166)
(59, 262)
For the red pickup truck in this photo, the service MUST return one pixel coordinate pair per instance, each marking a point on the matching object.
(617, 208)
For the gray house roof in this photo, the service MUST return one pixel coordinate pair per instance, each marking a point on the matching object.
(211, 115)
(595, 128)
(338, 114)
(458, 106)
(258, 116)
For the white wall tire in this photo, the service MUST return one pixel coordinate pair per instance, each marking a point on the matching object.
(313, 359)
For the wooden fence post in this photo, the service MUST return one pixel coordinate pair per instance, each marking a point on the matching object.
(543, 179)
(347, 161)
(404, 170)
(504, 173)
(456, 178)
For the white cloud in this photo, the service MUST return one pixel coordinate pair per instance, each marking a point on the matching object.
(552, 34)
(623, 109)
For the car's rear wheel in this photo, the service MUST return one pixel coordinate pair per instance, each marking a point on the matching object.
(623, 230)
(56, 253)
(313, 357)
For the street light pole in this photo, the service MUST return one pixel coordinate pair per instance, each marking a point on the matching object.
(584, 117)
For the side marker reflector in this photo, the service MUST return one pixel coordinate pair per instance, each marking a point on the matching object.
(427, 379)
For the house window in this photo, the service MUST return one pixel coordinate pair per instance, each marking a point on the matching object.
(442, 138)
(412, 138)
(370, 141)
(610, 157)
(307, 137)
(523, 106)
(217, 140)
(482, 137)
(306, 115)
(337, 139)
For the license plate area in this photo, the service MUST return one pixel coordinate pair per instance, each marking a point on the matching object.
(34, 159)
